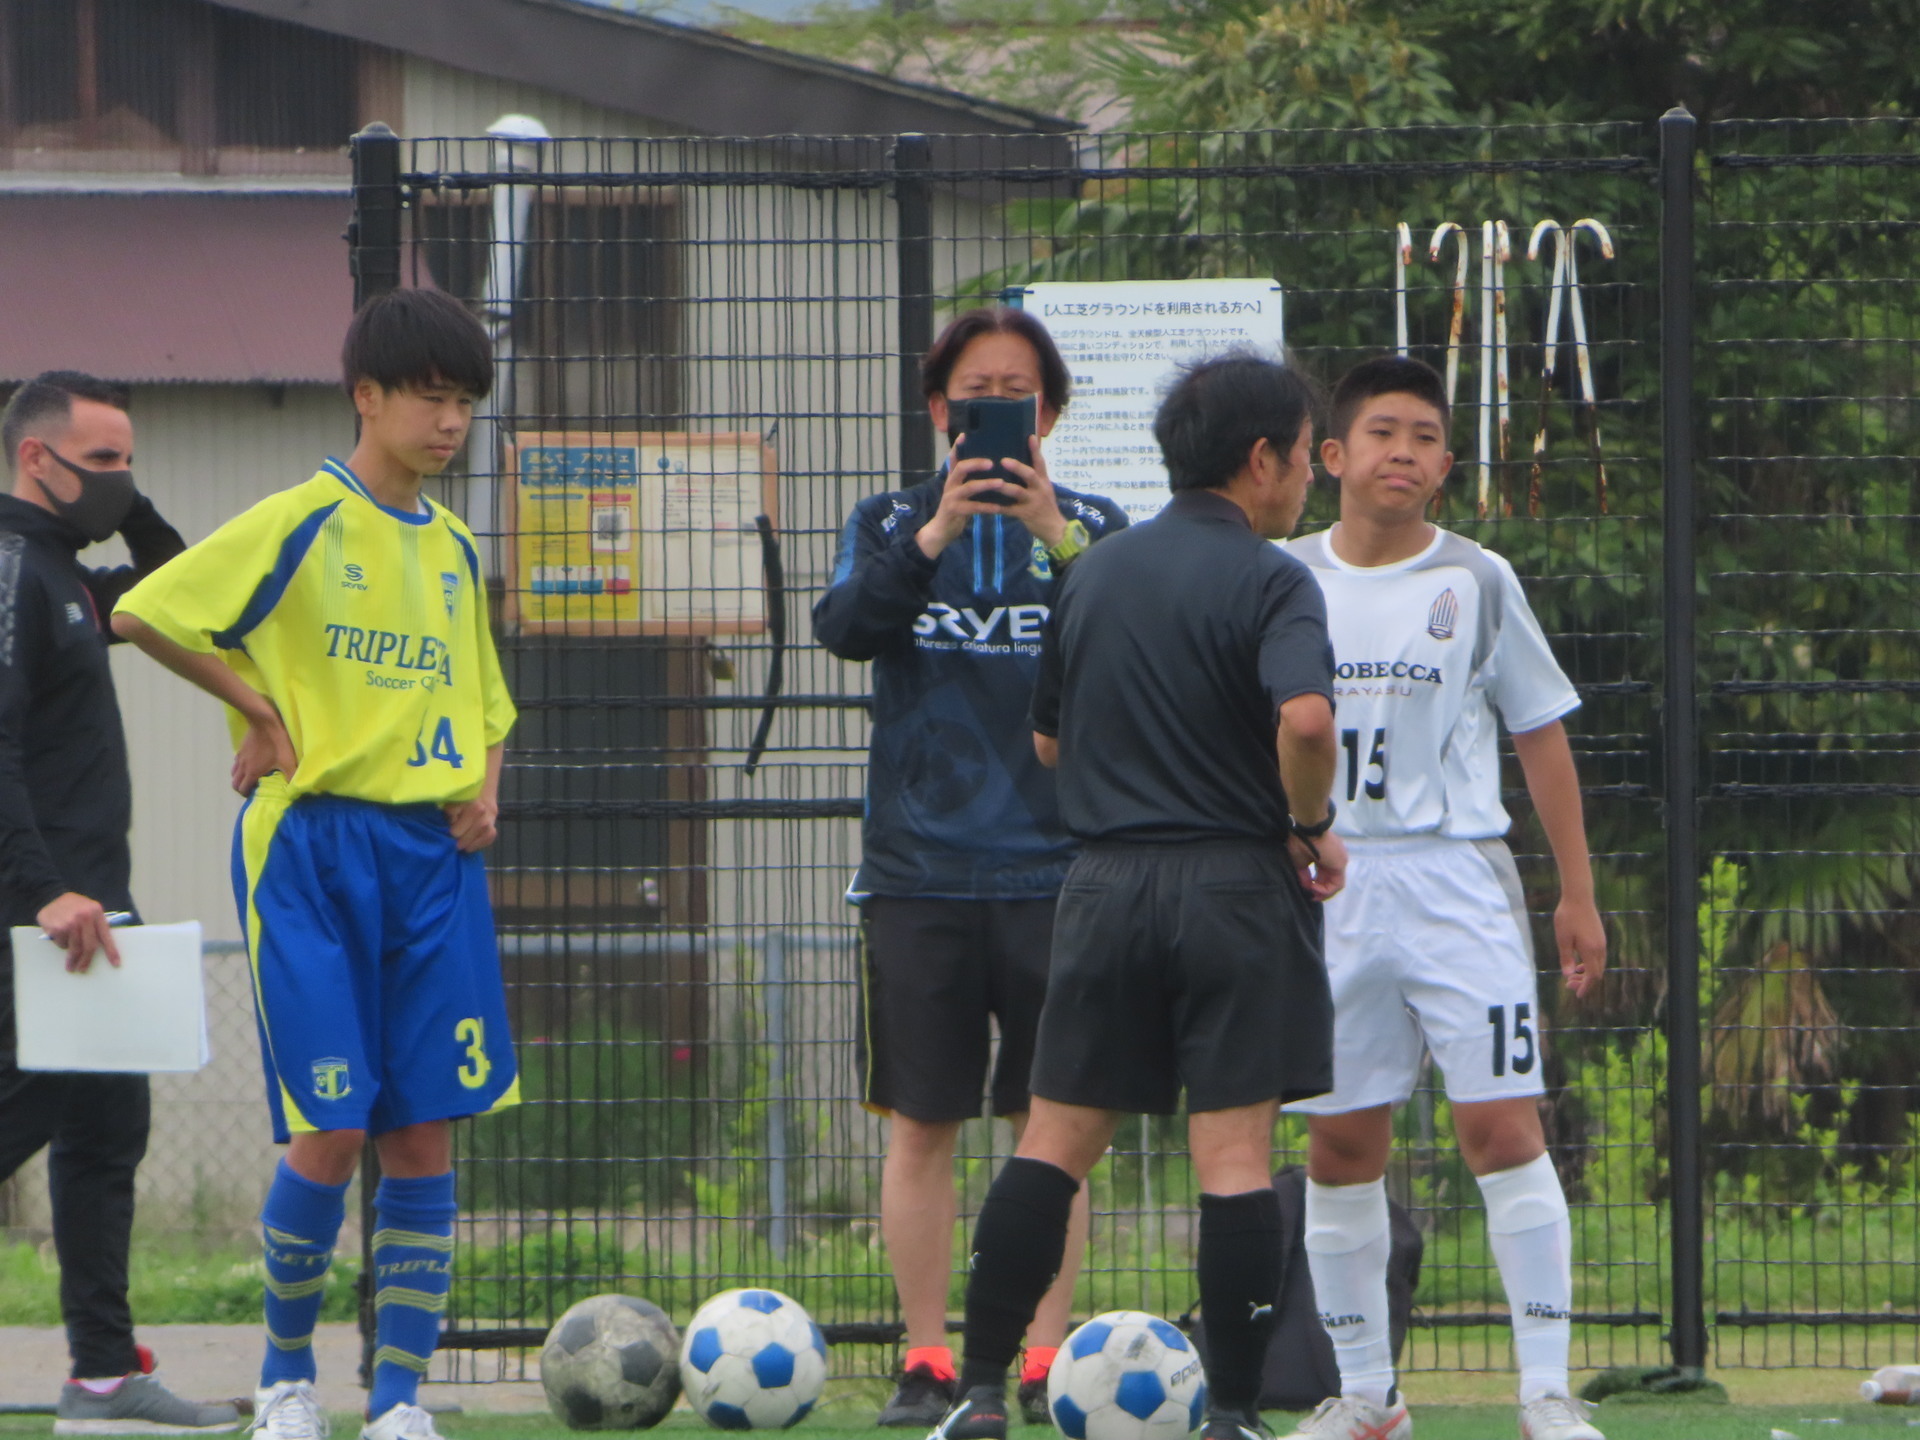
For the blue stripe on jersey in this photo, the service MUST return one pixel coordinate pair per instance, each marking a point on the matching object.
(473, 557)
(338, 469)
(274, 583)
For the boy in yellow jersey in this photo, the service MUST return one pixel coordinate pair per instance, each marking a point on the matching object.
(344, 623)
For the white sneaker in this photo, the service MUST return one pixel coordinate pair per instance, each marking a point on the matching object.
(402, 1422)
(288, 1410)
(1557, 1417)
(1893, 1385)
(1348, 1417)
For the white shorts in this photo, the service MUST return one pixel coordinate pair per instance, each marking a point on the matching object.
(1428, 946)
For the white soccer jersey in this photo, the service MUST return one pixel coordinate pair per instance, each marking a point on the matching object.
(1425, 652)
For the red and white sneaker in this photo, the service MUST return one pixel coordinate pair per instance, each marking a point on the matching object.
(1348, 1417)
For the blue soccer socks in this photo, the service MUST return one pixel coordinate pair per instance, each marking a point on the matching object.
(300, 1220)
(412, 1271)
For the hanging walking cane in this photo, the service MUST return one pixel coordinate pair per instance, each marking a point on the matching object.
(1457, 323)
(1402, 257)
(1582, 360)
(1502, 381)
(1459, 318)
(1551, 352)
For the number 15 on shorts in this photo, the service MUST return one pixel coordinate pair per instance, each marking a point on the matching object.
(1521, 1053)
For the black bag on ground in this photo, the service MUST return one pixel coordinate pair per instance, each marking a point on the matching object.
(1300, 1371)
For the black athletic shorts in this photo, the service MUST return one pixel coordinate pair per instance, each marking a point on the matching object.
(935, 971)
(1195, 965)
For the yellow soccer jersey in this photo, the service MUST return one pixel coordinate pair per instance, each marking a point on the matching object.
(366, 626)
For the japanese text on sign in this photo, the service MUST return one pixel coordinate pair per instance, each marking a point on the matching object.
(1123, 341)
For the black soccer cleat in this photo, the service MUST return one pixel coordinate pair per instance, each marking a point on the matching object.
(980, 1415)
(1033, 1402)
(1227, 1424)
(921, 1398)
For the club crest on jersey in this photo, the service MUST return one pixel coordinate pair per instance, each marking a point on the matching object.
(1041, 566)
(330, 1080)
(450, 589)
(1440, 619)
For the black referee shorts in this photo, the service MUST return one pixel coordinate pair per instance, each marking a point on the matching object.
(1195, 965)
(937, 972)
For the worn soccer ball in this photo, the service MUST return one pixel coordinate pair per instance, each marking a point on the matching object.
(608, 1364)
(753, 1360)
(1127, 1375)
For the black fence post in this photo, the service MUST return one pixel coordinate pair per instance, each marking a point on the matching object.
(373, 235)
(913, 199)
(1680, 721)
(373, 257)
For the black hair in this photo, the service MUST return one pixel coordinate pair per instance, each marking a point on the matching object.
(936, 366)
(50, 396)
(1388, 375)
(416, 337)
(1217, 410)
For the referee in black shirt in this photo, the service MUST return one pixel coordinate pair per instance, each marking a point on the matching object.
(1185, 697)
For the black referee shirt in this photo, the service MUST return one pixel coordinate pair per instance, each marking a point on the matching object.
(1171, 647)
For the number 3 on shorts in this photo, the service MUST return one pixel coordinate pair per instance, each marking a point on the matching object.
(473, 1034)
(1522, 1035)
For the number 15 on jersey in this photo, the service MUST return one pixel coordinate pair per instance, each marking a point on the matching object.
(1375, 770)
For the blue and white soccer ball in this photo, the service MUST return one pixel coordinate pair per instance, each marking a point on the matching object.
(753, 1360)
(1127, 1375)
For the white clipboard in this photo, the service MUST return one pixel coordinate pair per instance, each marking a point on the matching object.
(147, 1015)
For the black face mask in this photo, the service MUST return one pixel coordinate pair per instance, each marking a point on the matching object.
(105, 498)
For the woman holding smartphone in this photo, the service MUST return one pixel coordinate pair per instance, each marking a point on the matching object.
(945, 587)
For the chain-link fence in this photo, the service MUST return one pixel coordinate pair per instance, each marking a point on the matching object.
(697, 334)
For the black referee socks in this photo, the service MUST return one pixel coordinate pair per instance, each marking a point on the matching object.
(1018, 1244)
(1240, 1266)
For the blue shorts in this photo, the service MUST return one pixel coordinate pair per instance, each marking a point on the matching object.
(376, 978)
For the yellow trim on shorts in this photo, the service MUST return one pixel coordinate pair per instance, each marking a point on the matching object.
(259, 823)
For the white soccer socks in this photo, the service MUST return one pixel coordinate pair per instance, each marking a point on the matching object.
(1347, 1252)
(1532, 1241)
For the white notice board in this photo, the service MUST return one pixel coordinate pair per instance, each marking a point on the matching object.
(1122, 341)
(146, 1015)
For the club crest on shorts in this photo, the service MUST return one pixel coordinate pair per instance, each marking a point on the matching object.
(1446, 609)
(330, 1079)
(450, 589)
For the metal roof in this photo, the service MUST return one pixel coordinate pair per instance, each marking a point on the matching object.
(208, 288)
(710, 83)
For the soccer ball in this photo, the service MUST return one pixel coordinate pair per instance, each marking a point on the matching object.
(608, 1364)
(1127, 1375)
(753, 1360)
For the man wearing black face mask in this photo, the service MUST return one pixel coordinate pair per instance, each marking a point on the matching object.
(65, 807)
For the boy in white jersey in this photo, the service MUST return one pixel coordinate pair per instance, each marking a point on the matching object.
(1429, 945)
(344, 623)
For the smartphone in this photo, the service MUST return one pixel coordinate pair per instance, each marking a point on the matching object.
(994, 429)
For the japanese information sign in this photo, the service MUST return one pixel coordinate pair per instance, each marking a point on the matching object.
(642, 533)
(1122, 341)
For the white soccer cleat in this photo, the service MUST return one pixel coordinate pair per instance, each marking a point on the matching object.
(402, 1422)
(1893, 1385)
(1557, 1417)
(1347, 1417)
(288, 1410)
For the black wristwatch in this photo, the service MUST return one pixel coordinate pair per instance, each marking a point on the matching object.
(1316, 830)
